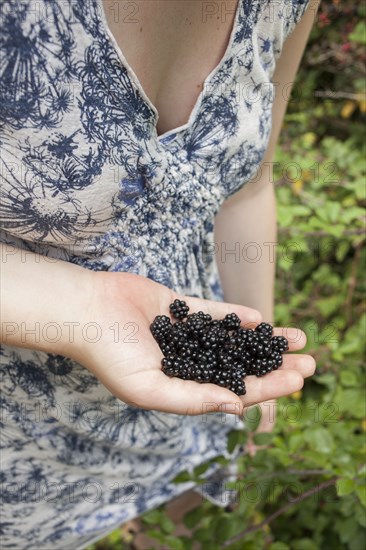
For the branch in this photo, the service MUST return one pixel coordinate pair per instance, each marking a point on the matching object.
(348, 232)
(280, 511)
(299, 473)
(339, 95)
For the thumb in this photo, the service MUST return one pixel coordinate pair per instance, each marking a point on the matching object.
(186, 397)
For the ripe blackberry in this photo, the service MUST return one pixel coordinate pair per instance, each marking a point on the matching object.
(205, 317)
(179, 309)
(237, 387)
(257, 344)
(161, 327)
(195, 325)
(266, 366)
(277, 358)
(279, 343)
(198, 348)
(243, 334)
(265, 329)
(231, 321)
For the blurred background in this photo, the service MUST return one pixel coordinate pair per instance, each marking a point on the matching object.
(304, 488)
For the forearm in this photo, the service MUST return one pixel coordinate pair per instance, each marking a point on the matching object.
(41, 300)
(247, 224)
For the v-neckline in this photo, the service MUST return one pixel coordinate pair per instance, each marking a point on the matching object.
(136, 82)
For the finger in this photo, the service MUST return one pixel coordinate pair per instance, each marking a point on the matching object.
(304, 364)
(185, 397)
(218, 310)
(275, 384)
(296, 337)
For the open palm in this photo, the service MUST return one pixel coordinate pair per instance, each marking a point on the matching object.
(130, 365)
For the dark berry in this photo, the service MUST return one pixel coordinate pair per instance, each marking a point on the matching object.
(279, 343)
(179, 309)
(265, 329)
(231, 321)
(197, 347)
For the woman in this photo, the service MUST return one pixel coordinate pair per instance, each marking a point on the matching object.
(115, 167)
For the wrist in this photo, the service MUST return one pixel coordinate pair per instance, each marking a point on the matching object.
(41, 299)
(74, 318)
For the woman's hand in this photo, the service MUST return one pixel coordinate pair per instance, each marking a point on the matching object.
(127, 359)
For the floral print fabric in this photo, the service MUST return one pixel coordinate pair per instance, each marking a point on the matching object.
(85, 178)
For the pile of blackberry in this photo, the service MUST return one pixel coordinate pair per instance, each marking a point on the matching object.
(197, 347)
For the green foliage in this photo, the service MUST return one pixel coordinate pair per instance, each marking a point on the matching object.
(305, 487)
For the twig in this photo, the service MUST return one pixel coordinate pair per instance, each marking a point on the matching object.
(307, 472)
(339, 95)
(280, 511)
(278, 474)
(347, 232)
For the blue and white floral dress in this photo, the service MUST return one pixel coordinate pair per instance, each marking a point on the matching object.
(86, 178)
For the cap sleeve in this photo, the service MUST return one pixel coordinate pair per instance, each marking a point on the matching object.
(276, 21)
(292, 13)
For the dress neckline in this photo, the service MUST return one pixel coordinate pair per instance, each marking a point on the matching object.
(136, 82)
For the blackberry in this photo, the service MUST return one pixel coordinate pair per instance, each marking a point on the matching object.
(257, 344)
(197, 347)
(231, 321)
(179, 309)
(205, 317)
(277, 358)
(279, 343)
(265, 329)
(161, 327)
(237, 387)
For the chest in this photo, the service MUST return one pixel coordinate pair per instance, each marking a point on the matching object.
(171, 46)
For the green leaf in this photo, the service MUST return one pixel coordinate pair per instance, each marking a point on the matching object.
(183, 477)
(279, 546)
(152, 517)
(326, 379)
(348, 378)
(358, 541)
(336, 230)
(304, 544)
(115, 537)
(203, 535)
(295, 441)
(300, 210)
(193, 517)
(360, 515)
(351, 214)
(359, 33)
(174, 543)
(252, 418)
(345, 487)
(332, 210)
(320, 440)
(233, 440)
(348, 529)
(329, 305)
(342, 250)
(263, 438)
(166, 524)
(156, 534)
(351, 401)
(201, 469)
(361, 493)
(285, 216)
(224, 528)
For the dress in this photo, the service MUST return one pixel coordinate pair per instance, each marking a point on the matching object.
(86, 178)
